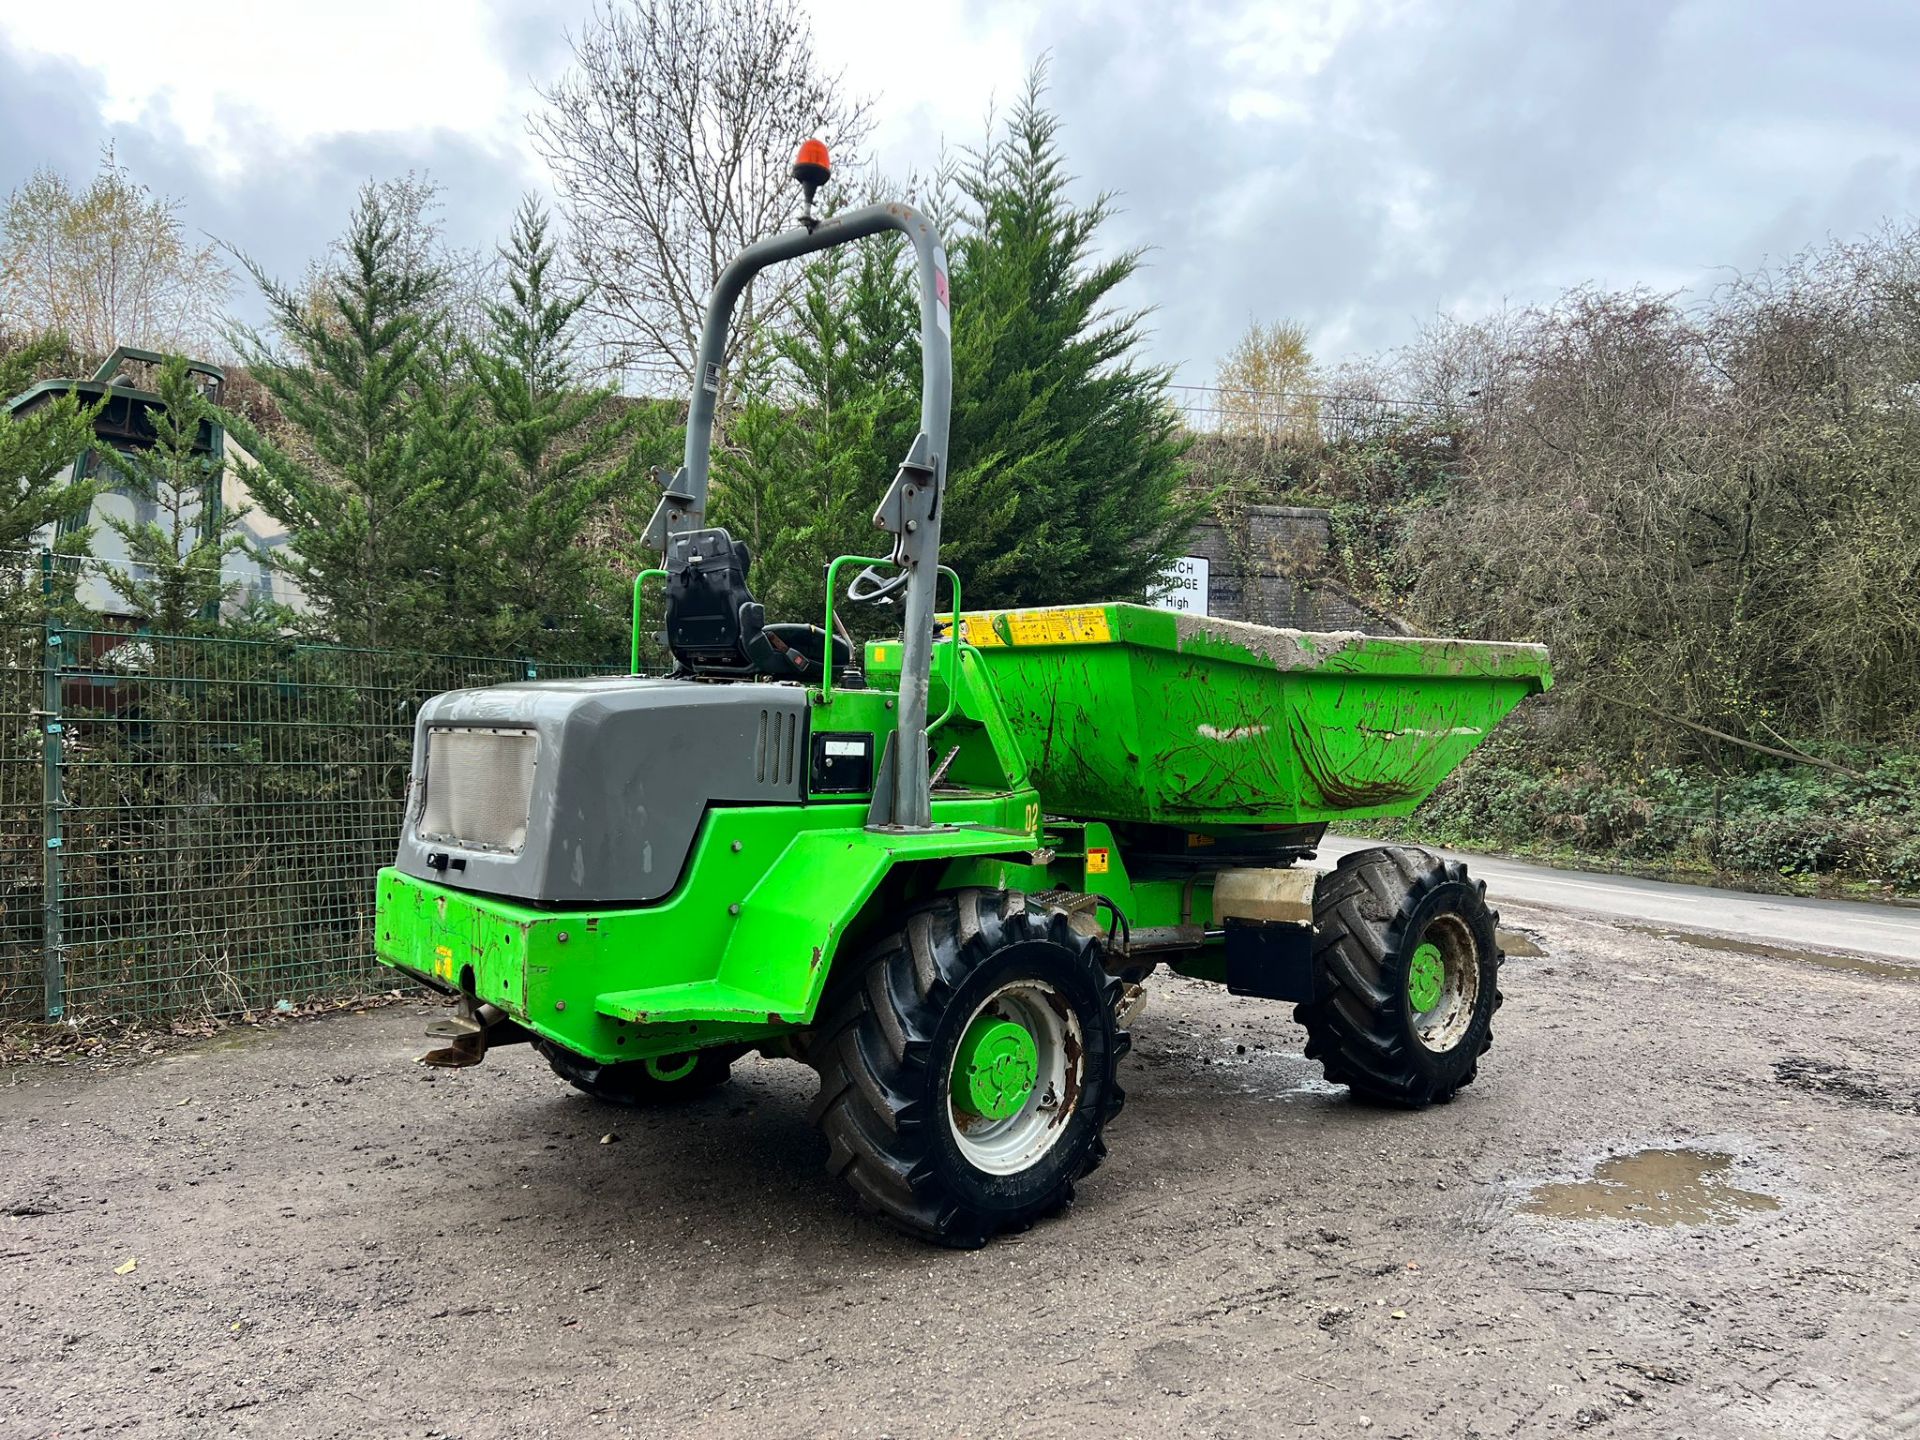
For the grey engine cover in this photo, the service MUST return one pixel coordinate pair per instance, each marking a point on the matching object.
(624, 769)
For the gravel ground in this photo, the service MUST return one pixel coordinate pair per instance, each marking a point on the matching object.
(330, 1240)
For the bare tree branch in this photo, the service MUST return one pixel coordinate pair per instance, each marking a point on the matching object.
(670, 141)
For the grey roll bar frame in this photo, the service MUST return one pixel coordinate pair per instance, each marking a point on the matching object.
(911, 509)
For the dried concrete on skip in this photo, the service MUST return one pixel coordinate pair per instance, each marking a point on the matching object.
(1317, 649)
(330, 1240)
(1284, 649)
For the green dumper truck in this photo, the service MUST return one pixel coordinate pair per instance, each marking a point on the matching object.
(940, 871)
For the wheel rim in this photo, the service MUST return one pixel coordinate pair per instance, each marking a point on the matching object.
(669, 1068)
(1443, 983)
(1426, 977)
(994, 1069)
(1015, 1077)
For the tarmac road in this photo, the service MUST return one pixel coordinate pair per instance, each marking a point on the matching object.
(1859, 927)
(1678, 1202)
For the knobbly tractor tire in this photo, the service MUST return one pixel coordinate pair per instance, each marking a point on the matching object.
(663, 1080)
(1409, 976)
(967, 1067)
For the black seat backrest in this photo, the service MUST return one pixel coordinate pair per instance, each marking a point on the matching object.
(706, 591)
(716, 627)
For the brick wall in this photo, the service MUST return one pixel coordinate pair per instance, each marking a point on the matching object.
(1274, 572)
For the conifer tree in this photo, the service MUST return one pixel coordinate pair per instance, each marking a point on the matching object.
(36, 450)
(382, 481)
(562, 450)
(1065, 480)
(177, 577)
(1059, 429)
(815, 444)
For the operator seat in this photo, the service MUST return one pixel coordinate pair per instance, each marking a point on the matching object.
(715, 626)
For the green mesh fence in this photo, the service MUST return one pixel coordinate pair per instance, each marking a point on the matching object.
(193, 824)
(22, 813)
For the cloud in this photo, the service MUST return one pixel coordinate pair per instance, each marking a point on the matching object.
(278, 202)
(47, 117)
(1427, 158)
(1356, 167)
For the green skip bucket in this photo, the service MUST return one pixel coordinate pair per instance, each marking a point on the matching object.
(1131, 714)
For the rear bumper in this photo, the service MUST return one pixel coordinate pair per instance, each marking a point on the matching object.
(452, 940)
(741, 951)
(562, 975)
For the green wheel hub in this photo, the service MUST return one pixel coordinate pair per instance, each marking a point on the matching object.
(672, 1067)
(994, 1069)
(1426, 977)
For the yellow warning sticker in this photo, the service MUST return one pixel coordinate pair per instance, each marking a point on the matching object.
(1080, 625)
(1086, 625)
(1097, 862)
(978, 631)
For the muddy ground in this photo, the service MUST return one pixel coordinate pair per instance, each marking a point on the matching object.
(330, 1240)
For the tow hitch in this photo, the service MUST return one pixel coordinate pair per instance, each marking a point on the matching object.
(472, 1029)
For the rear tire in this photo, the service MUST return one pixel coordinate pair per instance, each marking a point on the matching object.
(945, 1162)
(1409, 968)
(662, 1080)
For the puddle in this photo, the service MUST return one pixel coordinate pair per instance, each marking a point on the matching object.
(1848, 964)
(1513, 943)
(1658, 1187)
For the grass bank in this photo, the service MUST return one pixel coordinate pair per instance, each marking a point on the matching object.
(1798, 829)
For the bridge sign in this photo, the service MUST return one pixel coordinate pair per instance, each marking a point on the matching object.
(1182, 586)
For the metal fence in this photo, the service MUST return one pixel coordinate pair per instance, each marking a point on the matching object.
(192, 824)
(1292, 416)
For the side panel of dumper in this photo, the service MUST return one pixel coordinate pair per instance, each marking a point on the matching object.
(1133, 714)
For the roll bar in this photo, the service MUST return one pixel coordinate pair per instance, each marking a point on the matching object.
(911, 509)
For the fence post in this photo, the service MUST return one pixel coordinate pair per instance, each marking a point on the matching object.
(52, 803)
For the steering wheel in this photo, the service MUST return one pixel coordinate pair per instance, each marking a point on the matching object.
(871, 587)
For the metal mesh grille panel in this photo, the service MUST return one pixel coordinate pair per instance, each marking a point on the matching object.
(479, 787)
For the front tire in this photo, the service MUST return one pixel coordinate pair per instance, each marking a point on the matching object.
(1409, 970)
(967, 1068)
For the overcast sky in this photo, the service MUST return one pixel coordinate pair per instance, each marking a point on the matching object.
(1359, 167)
